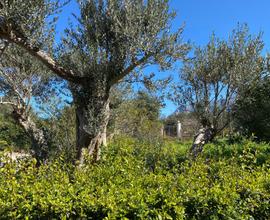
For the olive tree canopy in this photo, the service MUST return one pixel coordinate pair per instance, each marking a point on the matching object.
(112, 39)
(212, 78)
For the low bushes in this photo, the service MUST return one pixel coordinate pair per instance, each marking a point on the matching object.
(141, 181)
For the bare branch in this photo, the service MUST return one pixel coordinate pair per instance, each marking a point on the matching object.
(132, 67)
(7, 103)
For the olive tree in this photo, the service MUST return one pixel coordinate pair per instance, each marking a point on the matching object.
(112, 39)
(21, 77)
(212, 78)
(21, 81)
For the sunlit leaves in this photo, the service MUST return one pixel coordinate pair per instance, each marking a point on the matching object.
(113, 34)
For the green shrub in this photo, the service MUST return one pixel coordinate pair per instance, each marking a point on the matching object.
(124, 186)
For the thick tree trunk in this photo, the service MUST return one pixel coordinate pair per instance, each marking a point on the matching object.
(203, 136)
(39, 142)
(92, 116)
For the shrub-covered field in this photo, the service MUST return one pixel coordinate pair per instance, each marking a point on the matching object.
(136, 180)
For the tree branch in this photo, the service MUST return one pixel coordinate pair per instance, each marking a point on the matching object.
(223, 127)
(48, 61)
(7, 103)
(130, 68)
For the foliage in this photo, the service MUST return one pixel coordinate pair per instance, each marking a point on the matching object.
(60, 130)
(239, 150)
(136, 115)
(114, 37)
(11, 134)
(124, 185)
(251, 112)
(32, 20)
(216, 73)
(23, 81)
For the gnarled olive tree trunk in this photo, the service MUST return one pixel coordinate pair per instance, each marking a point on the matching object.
(38, 140)
(203, 136)
(92, 116)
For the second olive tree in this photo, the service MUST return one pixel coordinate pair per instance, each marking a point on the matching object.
(212, 78)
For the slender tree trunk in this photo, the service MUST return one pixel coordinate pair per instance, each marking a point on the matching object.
(39, 142)
(203, 136)
(92, 116)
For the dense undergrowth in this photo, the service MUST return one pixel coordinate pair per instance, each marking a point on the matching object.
(136, 180)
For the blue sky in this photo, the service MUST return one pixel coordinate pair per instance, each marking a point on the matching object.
(203, 17)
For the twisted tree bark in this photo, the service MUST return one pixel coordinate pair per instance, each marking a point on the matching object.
(38, 140)
(204, 135)
(92, 116)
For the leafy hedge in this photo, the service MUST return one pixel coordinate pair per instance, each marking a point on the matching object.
(141, 181)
